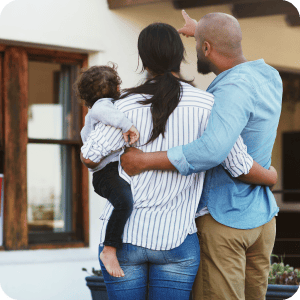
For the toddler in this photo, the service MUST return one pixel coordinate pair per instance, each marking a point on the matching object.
(98, 87)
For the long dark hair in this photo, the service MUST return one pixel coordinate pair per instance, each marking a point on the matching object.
(161, 51)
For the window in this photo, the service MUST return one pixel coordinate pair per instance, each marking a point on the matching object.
(285, 158)
(291, 166)
(45, 184)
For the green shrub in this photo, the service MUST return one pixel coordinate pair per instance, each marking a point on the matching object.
(283, 274)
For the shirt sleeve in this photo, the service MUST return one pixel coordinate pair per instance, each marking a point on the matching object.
(230, 114)
(238, 161)
(105, 112)
(101, 142)
(84, 133)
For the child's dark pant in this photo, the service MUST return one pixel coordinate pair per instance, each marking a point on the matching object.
(108, 184)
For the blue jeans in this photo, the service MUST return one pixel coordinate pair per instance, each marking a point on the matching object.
(108, 184)
(166, 275)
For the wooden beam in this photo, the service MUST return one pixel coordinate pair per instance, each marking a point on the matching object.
(37, 54)
(2, 48)
(292, 20)
(183, 4)
(113, 4)
(52, 141)
(15, 148)
(85, 181)
(268, 8)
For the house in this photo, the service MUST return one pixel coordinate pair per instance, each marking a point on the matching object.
(50, 215)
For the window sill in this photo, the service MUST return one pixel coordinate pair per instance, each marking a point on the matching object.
(57, 246)
(16, 257)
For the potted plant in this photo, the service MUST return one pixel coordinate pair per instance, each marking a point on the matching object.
(283, 281)
(96, 284)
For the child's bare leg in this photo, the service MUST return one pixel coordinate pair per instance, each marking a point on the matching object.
(109, 258)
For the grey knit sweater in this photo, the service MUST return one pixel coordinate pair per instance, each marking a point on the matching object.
(105, 112)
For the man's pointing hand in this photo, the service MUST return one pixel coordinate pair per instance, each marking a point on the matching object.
(190, 25)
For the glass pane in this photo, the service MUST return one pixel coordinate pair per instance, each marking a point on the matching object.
(53, 111)
(49, 182)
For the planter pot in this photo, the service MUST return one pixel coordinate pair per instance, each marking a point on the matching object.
(280, 292)
(275, 291)
(97, 286)
(98, 289)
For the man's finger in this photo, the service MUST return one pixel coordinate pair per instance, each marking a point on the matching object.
(185, 15)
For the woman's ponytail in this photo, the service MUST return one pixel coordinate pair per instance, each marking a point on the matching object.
(161, 51)
(165, 99)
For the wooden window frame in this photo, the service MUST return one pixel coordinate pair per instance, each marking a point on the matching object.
(13, 145)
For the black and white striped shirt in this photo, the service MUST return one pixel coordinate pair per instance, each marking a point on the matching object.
(165, 202)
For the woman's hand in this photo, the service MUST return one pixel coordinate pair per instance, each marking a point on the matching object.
(190, 25)
(131, 161)
(87, 162)
(260, 176)
(133, 135)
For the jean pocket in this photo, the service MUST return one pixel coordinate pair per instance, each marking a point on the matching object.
(181, 258)
(122, 254)
(187, 254)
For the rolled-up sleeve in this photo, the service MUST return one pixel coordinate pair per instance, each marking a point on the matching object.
(238, 161)
(101, 142)
(230, 114)
(177, 159)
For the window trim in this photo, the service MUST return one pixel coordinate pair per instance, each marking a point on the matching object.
(15, 141)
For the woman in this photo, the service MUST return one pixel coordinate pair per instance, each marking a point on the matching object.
(160, 254)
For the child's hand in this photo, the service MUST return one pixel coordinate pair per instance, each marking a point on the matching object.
(133, 135)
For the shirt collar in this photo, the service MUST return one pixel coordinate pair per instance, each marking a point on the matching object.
(235, 68)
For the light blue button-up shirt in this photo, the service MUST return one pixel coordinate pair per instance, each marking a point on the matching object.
(248, 101)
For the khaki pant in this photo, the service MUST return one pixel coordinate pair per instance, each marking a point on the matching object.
(234, 263)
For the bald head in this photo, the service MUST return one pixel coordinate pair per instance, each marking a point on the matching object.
(222, 31)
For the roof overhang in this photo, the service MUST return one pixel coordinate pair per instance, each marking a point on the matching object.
(239, 8)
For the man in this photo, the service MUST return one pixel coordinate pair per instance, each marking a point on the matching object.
(236, 223)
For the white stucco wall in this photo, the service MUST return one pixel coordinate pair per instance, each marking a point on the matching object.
(89, 26)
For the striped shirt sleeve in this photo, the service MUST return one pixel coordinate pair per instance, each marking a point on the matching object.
(102, 141)
(238, 161)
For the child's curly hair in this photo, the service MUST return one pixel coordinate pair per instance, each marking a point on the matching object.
(98, 82)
